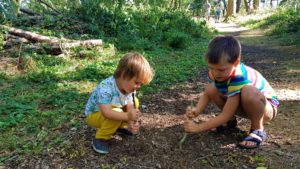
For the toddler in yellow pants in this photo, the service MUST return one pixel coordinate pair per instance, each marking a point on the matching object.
(111, 106)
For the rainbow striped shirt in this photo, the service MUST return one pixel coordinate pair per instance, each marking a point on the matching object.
(245, 75)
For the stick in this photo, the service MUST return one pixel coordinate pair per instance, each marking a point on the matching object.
(184, 135)
(135, 106)
(182, 140)
(133, 99)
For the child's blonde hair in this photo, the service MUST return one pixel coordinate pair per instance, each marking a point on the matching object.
(132, 65)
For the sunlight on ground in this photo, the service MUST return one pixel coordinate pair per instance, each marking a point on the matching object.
(157, 120)
(161, 121)
(258, 16)
(228, 27)
(287, 94)
(233, 27)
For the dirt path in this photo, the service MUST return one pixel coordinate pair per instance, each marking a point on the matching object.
(157, 145)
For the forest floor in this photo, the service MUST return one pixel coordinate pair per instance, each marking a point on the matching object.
(157, 145)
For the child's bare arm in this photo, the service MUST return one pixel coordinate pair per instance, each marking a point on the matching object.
(108, 112)
(202, 103)
(228, 111)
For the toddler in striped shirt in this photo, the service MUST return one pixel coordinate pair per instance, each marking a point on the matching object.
(236, 89)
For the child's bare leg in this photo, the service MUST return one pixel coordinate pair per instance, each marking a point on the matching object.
(256, 108)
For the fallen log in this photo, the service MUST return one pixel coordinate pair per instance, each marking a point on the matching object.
(58, 48)
(33, 37)
(54, 45)
(29, 12)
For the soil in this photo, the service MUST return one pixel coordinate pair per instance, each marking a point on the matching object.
(157, 145)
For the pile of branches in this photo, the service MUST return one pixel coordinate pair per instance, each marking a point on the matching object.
(50, 45)
(54, 46)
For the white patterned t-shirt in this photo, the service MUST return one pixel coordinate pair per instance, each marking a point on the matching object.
(107, 92)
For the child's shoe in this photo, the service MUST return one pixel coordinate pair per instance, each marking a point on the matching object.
(124, 131)
(100, 146)
(232, 124)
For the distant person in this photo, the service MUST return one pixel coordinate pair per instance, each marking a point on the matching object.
(236, 89)
(218, 10)
(207, 8)
(112, 106)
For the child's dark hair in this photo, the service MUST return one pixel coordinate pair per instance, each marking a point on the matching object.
(223, 46)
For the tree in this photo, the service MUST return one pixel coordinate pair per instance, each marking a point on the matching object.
(230, 9)
(196, 6)
(238, 5)
(256, 4)
(247, 6)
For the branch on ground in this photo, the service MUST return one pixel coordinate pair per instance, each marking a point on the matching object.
(55, 46)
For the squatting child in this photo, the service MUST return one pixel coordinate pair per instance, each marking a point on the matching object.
(112, 105)
(236, 89)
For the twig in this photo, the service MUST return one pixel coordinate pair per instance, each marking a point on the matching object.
(184, 135)
(133, 99)
(182, 140)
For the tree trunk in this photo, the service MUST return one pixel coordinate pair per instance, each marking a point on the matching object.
(238, 5)
(246, 6)
(256, 4)
(230, 9)
(225, 7)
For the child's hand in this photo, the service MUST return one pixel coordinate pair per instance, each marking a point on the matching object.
(190, 126)
(191, 112)
(134, 127)
(133, 114)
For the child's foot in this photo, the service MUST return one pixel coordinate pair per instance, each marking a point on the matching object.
(253, 140)
(229, 126)
(124, 131)
(100, 146)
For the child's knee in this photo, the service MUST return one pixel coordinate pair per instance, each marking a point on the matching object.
(250, 94)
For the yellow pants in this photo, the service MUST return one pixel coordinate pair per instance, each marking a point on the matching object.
(106, 127)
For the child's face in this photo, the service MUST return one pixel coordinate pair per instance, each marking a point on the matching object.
(130, 85)
(222, 70)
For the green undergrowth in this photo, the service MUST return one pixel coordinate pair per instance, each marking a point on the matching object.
(283, 25)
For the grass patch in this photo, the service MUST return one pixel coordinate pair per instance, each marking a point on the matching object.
(284, 25)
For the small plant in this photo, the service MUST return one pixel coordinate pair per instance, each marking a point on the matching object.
(177, 39)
